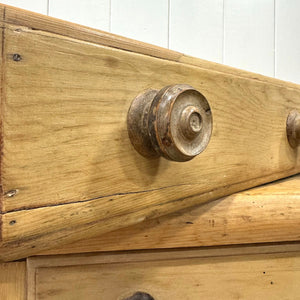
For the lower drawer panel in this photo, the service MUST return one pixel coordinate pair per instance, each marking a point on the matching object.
(270, 272)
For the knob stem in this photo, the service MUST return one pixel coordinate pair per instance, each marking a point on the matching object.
(293, 128)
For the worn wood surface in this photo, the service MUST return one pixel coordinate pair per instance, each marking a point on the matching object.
(68, 168)
(256, 272)
(13, 281)
(36, 21)
(268, 213)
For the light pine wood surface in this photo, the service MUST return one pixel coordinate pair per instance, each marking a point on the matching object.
(256, 272)
(68, 170)
(13, 281)
(33, 20)
(268, 213)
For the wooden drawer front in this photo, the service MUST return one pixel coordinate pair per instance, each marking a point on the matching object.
(68, 169)
(245, 273)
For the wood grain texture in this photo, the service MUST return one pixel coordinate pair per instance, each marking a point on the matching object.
(13, 281)
(270, 272)
(39, 22)
(67, 155)
(268, 213)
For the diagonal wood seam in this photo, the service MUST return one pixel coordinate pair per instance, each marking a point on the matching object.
(124, 213)
(142, 192)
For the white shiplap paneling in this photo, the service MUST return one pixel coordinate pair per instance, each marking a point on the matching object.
(39, 6)
(92, 13)
(196, 28)
(288, 40)
(249, 35)
(142, 20)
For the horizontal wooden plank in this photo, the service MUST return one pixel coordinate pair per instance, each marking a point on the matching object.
(67, 155)
(53, 25)
(72, 102)
(247, 272)
(268, 213)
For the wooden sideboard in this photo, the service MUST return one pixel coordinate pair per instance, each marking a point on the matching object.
(83, 215)
(68, 168)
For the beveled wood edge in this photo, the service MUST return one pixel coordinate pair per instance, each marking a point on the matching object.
(37, 21)
(160, 254)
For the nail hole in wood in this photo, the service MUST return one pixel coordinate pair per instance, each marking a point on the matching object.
(17, 57)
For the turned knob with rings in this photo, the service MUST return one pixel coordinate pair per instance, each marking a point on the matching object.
(175, 123)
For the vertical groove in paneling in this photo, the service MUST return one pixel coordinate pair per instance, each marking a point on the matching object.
(48, 3)
(109, 21)
(169, 24)
(223, 36)
(249, 35)
(196, 28)
(275, 39)
(93, 13)
(287, 40)
(33, 5)
(141, 19)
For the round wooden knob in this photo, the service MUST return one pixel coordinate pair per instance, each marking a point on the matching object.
(293, 128)
(140, 296)
(175, 123)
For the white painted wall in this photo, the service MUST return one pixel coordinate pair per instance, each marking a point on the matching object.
(256, 35)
